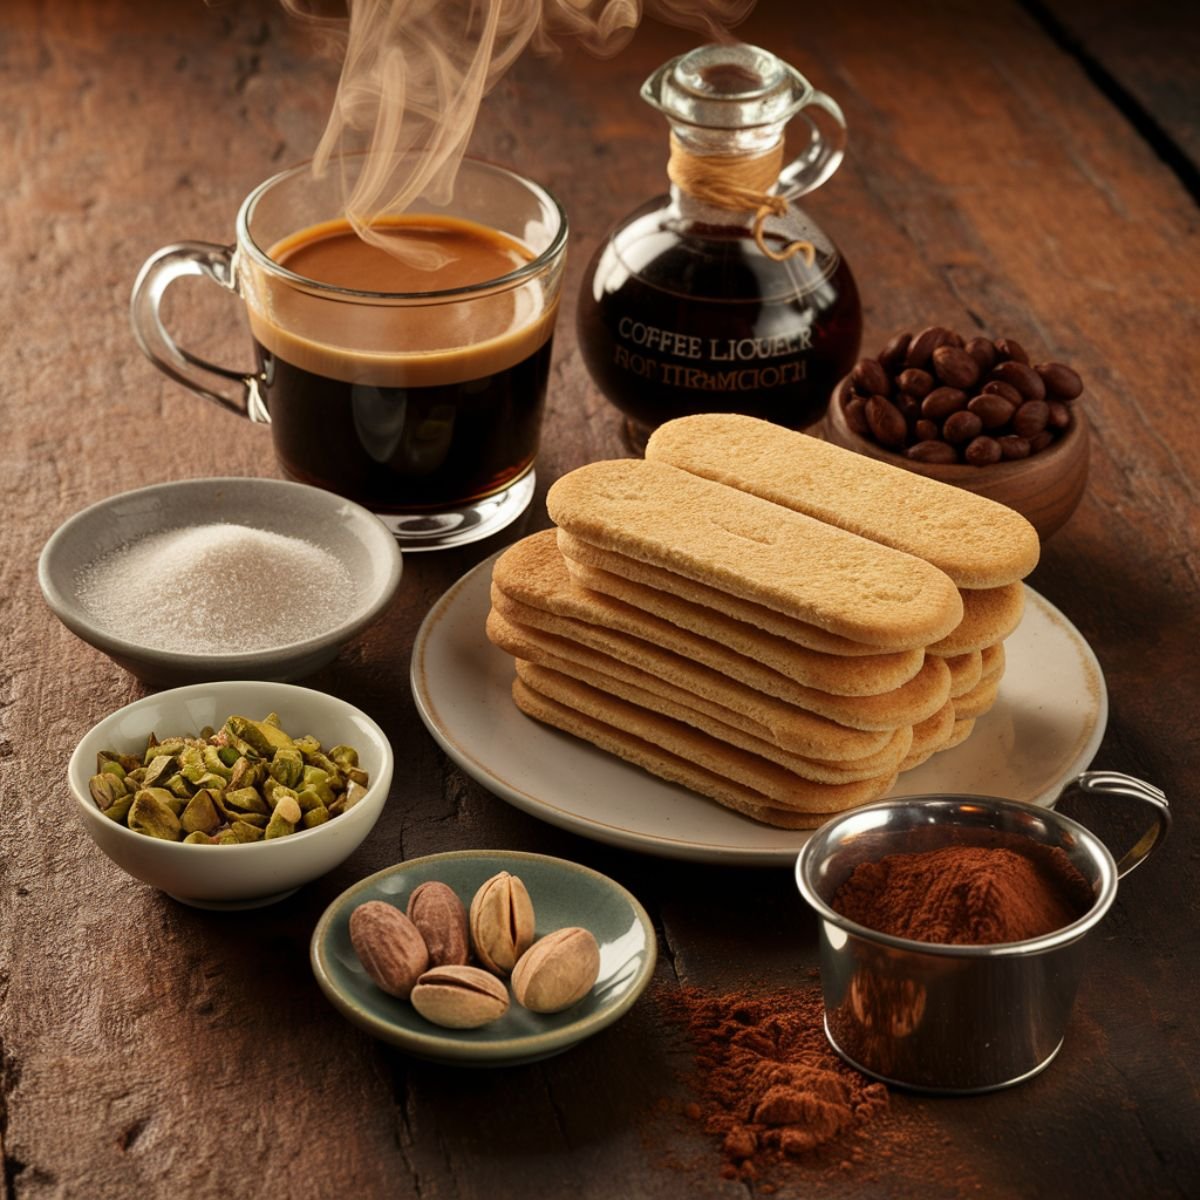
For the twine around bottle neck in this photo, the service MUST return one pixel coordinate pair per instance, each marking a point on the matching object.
(739, 183)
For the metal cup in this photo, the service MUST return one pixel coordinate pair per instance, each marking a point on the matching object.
(951, 1018)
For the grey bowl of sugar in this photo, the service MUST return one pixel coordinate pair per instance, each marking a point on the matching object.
(207, 579)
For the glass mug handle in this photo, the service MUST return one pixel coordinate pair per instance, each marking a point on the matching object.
(823, 155)
(158, 272)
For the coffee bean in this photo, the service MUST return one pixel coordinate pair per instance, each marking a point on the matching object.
(926, 431)
(891, 357)
(1007, 349)
(961, 427)
(1021, 376)
(983, 352)
(909, 406)
(1013, 447)
(1030, 419)
(856, 416)
(941, 402)
(982, 452)
(870, 379)
(955, 367)
(1061, 382)
(953, 339)
(1060, 415)
(995, 388)
(931, 451)
(915, 382)
(993, 410)
(886, 423)
(921, 348)
(1040, 441)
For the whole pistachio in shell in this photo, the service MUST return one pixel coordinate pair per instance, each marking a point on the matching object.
(501, 922)
(438, 913)
(557, 970)
(389, 946)
(459, 997)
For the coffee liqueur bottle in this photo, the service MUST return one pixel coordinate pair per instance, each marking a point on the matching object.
(723, 296)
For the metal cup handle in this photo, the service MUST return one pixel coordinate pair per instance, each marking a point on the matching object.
(1127, 787)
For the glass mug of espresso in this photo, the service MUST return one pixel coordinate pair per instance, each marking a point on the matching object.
(410, 376)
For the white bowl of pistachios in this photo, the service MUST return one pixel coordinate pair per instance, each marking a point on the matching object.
(231, 794)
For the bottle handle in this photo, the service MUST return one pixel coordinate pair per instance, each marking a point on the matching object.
(1114, 784)
(824, 153)
(158, 272)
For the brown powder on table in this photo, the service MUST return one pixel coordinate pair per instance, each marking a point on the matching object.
(966, 895)
(767, 1081)
(787, 1111)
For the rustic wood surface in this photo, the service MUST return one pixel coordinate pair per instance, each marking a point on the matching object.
(153, 1050)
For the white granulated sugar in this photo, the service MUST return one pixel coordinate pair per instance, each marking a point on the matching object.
(217, 589)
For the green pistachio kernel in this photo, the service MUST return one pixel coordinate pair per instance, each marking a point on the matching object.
(199, 838)
(149, 815)
(160, 768)
(244, 800)
(106, 789)
(344, 756)
(244, 832)
(215, 763)
(112, 768)
(314, 817)
(200, 815)
(287, 767)
(119, 811)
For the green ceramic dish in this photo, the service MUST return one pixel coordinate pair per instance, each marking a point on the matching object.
(563, 893)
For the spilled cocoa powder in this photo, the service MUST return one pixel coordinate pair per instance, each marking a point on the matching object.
(787, 1115)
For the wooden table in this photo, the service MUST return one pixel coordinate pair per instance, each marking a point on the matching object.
(1030, 170)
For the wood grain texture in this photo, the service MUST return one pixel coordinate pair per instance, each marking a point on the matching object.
(150, 1050)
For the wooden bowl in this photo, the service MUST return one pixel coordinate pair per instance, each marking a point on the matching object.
(1045, 488)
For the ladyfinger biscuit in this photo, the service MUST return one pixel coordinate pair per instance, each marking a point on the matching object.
(977, 701)
(580, 554)
(965, 672)
(668, 737)
(758, 551)
(789, 728)
(962, 730)
(915, 700)
(658, 762)
(886, 762)
(989, 615)
(993, 661)
(975, 541)
(930, 736)
(533, 572)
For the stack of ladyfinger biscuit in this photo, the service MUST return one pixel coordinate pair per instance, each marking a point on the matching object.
(771, 621)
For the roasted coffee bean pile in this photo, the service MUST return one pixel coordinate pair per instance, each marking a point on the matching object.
(936, 398)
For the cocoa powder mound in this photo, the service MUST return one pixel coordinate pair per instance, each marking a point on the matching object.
(965, 895)
(788, 1115)
(766, 1080)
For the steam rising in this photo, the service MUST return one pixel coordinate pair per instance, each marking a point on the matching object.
(415, 72)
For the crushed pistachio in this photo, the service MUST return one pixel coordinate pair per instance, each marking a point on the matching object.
(248, 781)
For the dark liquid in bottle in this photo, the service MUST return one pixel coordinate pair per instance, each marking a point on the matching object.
(673, 323)
(404, 407)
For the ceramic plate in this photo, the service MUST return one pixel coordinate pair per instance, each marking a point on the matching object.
(563, 894)
(1044, 729)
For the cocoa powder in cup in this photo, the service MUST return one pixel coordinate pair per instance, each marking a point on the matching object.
(935, 398)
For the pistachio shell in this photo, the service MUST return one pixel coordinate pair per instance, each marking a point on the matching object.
(502, 922)
(389, 946)
(557, 970)
(459, 997)
(435, 909)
